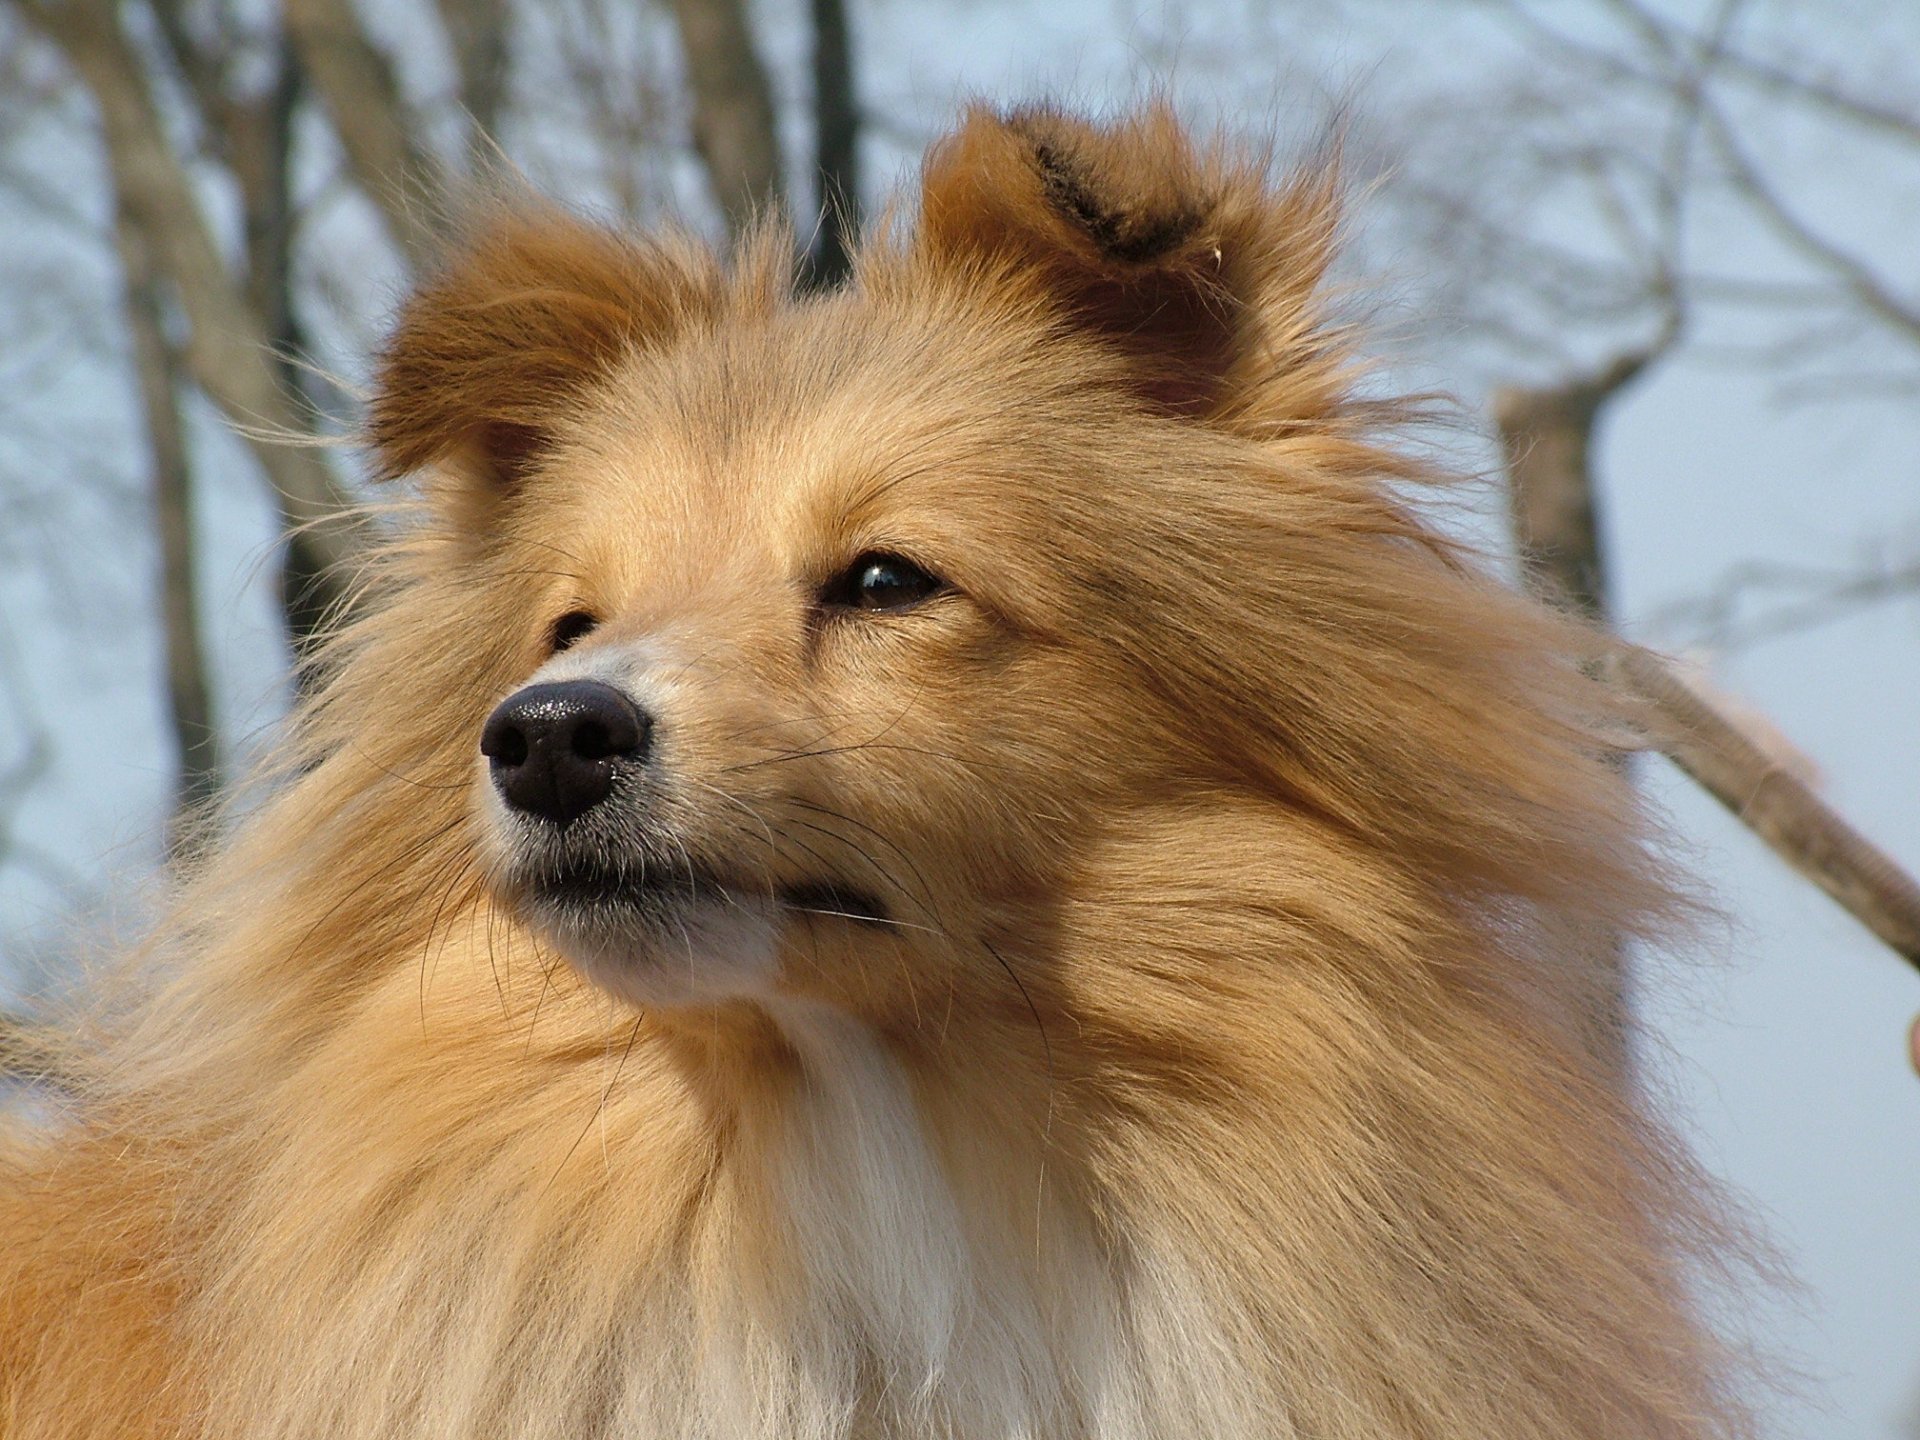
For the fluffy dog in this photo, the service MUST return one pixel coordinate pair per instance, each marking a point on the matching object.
(945, 859)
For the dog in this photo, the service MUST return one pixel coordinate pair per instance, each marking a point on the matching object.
(950, 858)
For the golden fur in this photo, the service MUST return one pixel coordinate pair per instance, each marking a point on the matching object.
(1243, 846)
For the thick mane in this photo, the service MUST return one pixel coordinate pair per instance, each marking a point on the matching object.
(1255, 1109)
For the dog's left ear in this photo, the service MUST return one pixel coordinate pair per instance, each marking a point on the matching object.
(1187, 261)
(491, 354)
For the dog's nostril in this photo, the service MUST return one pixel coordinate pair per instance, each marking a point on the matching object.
(592, 741)
(553, 748)
(505, 745)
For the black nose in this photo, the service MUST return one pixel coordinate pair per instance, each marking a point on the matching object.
(553, 748)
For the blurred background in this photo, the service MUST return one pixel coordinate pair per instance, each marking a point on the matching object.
(1664, 256)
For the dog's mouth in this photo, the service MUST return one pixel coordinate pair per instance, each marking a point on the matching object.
(833, 899)
(666, 936)
(658, 892)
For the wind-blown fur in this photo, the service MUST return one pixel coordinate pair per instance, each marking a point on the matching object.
(1241, 848)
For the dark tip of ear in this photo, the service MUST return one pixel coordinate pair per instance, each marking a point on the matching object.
(1122, 226)
(1134, 237)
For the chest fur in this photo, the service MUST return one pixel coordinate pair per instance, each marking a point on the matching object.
(827, 1269)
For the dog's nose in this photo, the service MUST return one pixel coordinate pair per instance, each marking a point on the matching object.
(553, 748)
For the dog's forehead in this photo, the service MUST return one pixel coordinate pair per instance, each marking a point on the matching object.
(824, 417)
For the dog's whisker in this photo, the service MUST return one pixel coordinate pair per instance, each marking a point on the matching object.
(1046, 1050)
(599, 1109)
(403, 861)
(391, 773)
(925, 897)
(463, 868)
(789, 756)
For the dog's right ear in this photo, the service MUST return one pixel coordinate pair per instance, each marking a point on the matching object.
(1180, 258)
(495, 350)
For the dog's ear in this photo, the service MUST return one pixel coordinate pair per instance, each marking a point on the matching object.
(495, 350)
(1187, 261)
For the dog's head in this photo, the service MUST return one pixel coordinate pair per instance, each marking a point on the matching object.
(815, 645)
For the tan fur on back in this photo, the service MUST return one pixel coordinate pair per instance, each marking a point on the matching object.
(1245, 846)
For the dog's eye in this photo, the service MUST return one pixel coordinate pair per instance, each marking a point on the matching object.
(878, 581)
(570, 627)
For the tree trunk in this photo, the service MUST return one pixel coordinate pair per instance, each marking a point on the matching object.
(189, 698)
(259, 143)
(1546, 441)
(478, 31)
(733, 122)
(228, 350)
(356, 85)
(836, 170)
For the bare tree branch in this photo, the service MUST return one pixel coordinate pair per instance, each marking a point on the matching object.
(1672, 37)
(615, 76)
(253, 135)
(27, 770)
(1776, 804)
(1883, 118)
(1690, 57)
(1853, 274)
(1794, 598)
